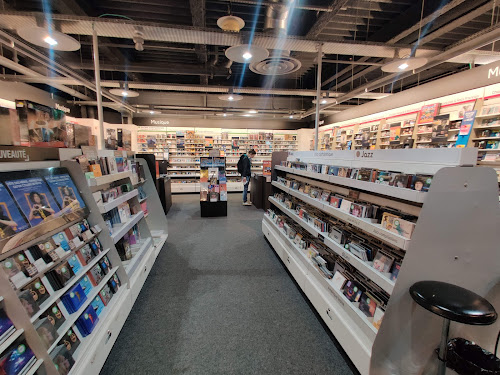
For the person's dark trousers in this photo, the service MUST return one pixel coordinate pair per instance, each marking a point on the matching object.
(245, 189)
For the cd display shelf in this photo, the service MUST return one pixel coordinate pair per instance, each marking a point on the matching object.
(433, 247)
(94, 348)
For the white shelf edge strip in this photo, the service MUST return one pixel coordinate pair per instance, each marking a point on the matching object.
(58, 293)
(138, 256)
(35, 367)
(119, 232)
(74, 316)
(375, 230)
(370, 272)
(391, 191)
(106, 179)
(106, 207)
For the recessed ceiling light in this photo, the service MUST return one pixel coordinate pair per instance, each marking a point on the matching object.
(50, 41)
(230, 98)
(246, 53)
(252, 111)
(124, 93)
(247, 115)
(48, 38)
(404, 65)
(152, 112)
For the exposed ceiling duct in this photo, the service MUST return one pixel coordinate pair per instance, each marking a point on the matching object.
(276, 19)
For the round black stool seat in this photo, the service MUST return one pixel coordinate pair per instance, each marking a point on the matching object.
(453, 302)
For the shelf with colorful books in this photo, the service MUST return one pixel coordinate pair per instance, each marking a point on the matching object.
(106, 207)
(383, 280)
(120, 231)
(11, 339)
(73, 317)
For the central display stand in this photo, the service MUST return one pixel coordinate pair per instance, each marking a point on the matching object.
(213, 187)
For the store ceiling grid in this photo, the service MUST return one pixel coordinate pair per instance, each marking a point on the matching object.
(183, 68)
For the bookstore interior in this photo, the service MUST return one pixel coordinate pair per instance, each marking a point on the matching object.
(382, 202)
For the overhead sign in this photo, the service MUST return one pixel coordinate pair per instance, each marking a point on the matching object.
(20, 153)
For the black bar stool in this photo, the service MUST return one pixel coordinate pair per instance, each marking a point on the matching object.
(452, 303)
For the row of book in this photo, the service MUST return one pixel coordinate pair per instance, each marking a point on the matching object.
(393, 220)
(117, 216)
(115, 191)
(213, 181)
(419, 182)
(381, 257)
(344, 278)
(128, 243)
(23, 266)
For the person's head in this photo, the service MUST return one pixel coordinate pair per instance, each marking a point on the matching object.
(36, 198)
(251, 153)
(419, 185)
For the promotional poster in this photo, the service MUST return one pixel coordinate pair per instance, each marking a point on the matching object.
(65, 191)
(34, 198)
(11, 220)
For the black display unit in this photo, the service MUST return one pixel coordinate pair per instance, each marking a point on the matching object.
(213, 187)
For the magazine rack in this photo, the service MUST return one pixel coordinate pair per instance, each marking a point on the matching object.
(213, 195)
(455, 241)
(94, 348)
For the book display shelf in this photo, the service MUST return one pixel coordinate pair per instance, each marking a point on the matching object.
(352, 227)
(213, 194)
(183, 147)
(68, 282)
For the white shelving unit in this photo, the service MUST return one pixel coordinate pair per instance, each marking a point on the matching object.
(94, 348)
(373, 351)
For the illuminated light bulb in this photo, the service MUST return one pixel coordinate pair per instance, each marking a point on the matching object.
(291, 116)
(247, 55)
(230, 98)
(152, 112)
(225, 114)
(403, 66)
(50, 41)
(323, 101)
(252, 111)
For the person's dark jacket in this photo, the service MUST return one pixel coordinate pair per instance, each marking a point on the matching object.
(246, 170)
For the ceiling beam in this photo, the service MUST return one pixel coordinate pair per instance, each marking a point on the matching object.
(325, 18)
(180, 34)
(163, 68)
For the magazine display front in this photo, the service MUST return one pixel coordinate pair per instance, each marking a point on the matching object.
(344, 224)
(71, 244)
(213, 195)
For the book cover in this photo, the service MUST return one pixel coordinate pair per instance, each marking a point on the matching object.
(395, 271)
(96, 274)
(106, 294)
(55, 316)
(397, 225)
(96, 169)
(46, 331)
(338, 280)
(28, 302)
(427, 113)
(34, 198)
(440, 129)
(382, 262)
(357, 210)
(15, 358)
(5, 323)
(64, 273)
(395, 133)
(111, 162)
(62, 358)
(367, 305)
(421, 182)
(352, 291)
(74, 298)
(65, 191)
(11, 220)
(85, 255)
(111, 143)
(61, 239)
(345, 205)
(86, 285)
(38, 291)
(377, 318)
(335, 201)
(70, 341)
(97, 305)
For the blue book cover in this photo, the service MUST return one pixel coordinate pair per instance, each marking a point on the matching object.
(61, 239)
(74, 263)
(89, 319)
(75, 297)
(34, 198)
(97, 305)
(65, 191)
(11, 220)
(86, 285)
(15, 358)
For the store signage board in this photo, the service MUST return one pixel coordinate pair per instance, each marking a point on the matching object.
(20, 153)
(152, 128)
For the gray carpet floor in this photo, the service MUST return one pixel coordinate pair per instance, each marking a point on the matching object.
(219, 301)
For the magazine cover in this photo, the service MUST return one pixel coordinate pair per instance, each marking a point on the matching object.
(65, 191)
(11, 220)
(440, 128)
(209, 142)
(111, 140)
(365, 137)
(126, 141)
(395, 133)
(16, 358)
(427, 113)
(234, 144)
(34, 198)
(44, 126)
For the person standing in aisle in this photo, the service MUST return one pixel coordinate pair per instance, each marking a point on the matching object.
(245, 170)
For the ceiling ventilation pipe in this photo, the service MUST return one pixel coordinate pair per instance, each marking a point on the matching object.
(277, 17)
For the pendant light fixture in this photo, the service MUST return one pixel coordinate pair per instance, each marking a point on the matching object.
(230, 96)
(247, 53)
(124, 91)
(325, 99)
(48, 37)
(230, 23)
